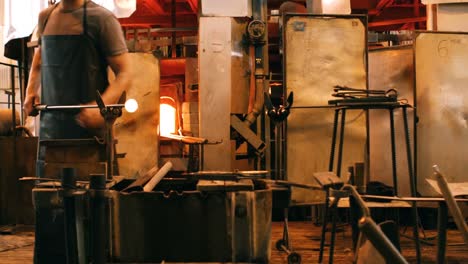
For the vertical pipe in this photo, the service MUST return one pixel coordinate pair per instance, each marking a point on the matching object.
(334, 211)
(414, 190)
(13, 118)
(340, 147)
(283, 153)
(259, 10)
(324, 225)
(333, 144)
(69, 186)
(23, 76)
(416, 13)
(173, 25)
(109, 149)
(13, 100)
(441, 232)
(417, 243)
(392, 138)
(97, 188)
(286, 227)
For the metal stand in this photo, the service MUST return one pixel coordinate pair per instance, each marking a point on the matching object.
(284, 243)
(97, 192)
(109, 112)
(69, 187)
(390, 106)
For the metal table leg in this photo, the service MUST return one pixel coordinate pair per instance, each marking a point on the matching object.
(442, 232)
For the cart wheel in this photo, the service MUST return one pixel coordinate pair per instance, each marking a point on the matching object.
(279, 244)
(294, 258)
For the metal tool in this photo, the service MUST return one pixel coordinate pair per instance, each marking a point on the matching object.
(109, 112)
(278, 114)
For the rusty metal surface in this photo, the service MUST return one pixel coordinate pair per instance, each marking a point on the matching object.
(137, 133)
(191, 226)
(390, 68)
(451, 17)
(441, 97)
(223, 86)
(6, 122)
(316, 59)
(15, 196)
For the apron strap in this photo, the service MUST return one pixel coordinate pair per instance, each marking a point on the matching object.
(47, 18)
(85, 18)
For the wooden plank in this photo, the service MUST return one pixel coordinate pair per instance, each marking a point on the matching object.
(305, 240)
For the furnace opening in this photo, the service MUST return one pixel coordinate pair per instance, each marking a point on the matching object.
(167, 116)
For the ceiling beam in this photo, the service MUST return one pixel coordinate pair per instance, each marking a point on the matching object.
(396, 21)
(154, 5)
(186, 20)
(193, 5)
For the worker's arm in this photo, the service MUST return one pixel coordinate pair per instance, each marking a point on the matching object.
(32, 90)
(120, 65)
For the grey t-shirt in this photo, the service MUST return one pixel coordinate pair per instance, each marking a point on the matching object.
(102, 26)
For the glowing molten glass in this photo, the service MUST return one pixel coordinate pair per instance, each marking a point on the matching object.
(131, 105)
(167, 119)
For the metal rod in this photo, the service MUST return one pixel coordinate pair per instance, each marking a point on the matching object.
(98, 215)
(392, 138)
(68, 107)
(286, 230)
(358, 199)
(173, 24)
(187, 139)
(414, 208)
(21, 85)
(340, 147)
(69, 185)
(109, 149)
(334, 211)
(451, 203)
(13, 129)
(314, 106)
(380, 241)
(333, 144)
(417, 243)
(414, 190)
(442, 217)
(324, 225)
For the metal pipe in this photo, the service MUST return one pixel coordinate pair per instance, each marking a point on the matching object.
(451, 203)
(393, 146)
(109, 148)
(173, 25)
(380, 241)
(43, 107)
(97, 186)
(362, 205)
(13, 130)
(442, 219)
(157, 177)
(340, 146)
(333, 144)
(413, 181)
(187, 139)
(69, 186)
(324, 225)
(259, 8)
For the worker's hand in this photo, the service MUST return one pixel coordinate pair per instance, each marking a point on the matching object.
(90, 118)
(29, 102)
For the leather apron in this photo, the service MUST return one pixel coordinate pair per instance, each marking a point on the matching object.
(72, 69)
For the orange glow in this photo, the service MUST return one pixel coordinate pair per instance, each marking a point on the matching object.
(167, 119)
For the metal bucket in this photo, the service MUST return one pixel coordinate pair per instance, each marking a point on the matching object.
(191, 226)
